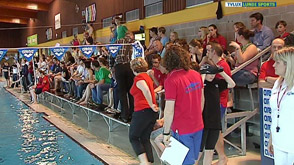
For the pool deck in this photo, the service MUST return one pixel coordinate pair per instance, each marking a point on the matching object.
(106, 153)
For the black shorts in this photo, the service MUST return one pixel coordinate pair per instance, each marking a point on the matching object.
(6, 75)
(209, 139)
(38, 90)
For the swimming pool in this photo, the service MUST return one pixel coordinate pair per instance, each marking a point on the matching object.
(27, 138)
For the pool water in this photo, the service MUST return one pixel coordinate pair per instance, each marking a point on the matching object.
(27, 138)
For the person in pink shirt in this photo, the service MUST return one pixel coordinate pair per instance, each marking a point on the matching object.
(184, 102)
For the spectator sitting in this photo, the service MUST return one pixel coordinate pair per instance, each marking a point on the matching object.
(156, 49)
(281, 28)
(42, 63)
(248, 74)
(183, 43)
(214, 36)
(157, 73)
(56, 75)
(104, 81)
(74, 78)
(163, 38)
(87, 77)
(65, 75)
(75, 41)
(154, 38)
(263, 34)
(267, 76)
(173, 37)
(202, 33)
(196, 50)
(86, 96)
(88, 40)
(42, 86)
(237, 26)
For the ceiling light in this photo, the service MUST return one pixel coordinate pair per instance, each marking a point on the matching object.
(33, 6)
(16, 20)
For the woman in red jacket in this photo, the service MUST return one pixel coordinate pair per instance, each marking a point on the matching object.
(42, 86)
(145, 109)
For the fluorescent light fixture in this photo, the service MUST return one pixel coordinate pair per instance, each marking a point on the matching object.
(16, 20)
(32, 6)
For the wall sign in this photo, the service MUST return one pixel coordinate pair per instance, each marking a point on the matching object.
(57, 21)
(32, 40)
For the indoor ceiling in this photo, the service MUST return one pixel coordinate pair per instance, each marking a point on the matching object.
(20, 11)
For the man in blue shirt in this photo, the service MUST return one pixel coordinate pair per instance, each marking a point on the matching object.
(263, 35)
(161, 33)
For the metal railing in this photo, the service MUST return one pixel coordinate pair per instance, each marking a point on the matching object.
(245, 115)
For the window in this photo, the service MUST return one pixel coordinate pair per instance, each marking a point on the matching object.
(149, 2)
(106, 22)
(153, 9)
(132, 15)
(191, 3)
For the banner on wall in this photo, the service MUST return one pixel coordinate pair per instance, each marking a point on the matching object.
(138, 50)
(57, 21)
(32, 40)
(87, 50)
(265, 95)
(59, 52)
(2, 53)
(28, 53)
(113, 49)
(90, 13)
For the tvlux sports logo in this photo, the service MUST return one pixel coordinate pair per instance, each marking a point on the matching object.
(251, 4)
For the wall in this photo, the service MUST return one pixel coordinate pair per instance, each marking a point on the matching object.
(225, 25)
(187, 21)
(70, 18)
(10, 38)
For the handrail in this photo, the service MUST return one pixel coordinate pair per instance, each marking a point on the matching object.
(251, 60)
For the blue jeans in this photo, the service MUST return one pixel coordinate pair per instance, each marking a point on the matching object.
(30, 78)
(80, 89)
(244, 77)
(94, 95)
(193, 142)
(100, 88)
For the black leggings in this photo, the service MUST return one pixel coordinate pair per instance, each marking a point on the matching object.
(124, 78)
(209, 139)
(140, 130)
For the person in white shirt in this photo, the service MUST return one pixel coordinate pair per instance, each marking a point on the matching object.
(281, 142)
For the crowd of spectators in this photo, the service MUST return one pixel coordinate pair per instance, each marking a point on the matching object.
(171, 65)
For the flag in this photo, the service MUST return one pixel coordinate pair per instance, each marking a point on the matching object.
(138, 50)
(59, 52)
(114, 49)
(2, 53)
(28, 53)
(87, 50)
